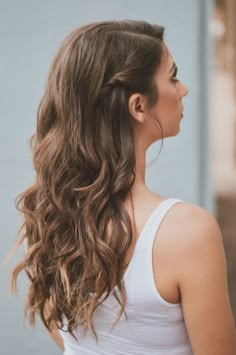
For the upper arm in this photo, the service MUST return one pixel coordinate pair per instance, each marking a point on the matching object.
(202, 280)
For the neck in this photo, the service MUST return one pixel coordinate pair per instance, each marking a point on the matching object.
(139, 185)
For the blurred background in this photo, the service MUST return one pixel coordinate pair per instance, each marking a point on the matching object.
(198, 165)
(223, 129)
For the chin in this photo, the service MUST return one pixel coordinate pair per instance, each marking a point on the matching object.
(174, 133)
(177, 131)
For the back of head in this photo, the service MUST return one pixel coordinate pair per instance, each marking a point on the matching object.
(76, 227)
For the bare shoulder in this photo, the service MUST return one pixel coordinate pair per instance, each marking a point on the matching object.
(191, 233)
(187, 235)
(199, 267)
(192, 225)
(193, 214)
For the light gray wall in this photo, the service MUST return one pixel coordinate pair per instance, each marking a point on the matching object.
(30, 32)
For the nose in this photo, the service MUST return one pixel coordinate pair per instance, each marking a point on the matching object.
(183, 90)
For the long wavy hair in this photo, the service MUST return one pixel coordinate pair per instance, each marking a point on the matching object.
(75, 225)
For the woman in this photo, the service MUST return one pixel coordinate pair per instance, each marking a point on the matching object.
(117, 268)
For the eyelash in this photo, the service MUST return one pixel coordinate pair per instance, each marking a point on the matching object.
(174, 75)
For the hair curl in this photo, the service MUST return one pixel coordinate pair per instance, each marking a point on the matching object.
(75, 224)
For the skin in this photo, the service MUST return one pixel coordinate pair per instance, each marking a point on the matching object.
(188, 255)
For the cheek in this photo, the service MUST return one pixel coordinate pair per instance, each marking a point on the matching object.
(169, 93)
(167, 110)
(167, 101)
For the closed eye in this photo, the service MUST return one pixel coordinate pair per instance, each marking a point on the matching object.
(174, 77)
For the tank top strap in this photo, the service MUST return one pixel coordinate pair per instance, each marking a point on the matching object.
(148, 233)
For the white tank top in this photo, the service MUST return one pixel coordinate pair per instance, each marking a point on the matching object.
(151, 325)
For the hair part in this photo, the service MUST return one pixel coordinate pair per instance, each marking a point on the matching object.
(75, 224)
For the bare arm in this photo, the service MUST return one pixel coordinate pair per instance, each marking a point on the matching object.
(202, 279)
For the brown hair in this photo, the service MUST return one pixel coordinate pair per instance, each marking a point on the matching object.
(75, 224)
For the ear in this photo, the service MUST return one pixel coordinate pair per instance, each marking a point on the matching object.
(137, 104)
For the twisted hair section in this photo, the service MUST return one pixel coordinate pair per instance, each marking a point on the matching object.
(75, 225)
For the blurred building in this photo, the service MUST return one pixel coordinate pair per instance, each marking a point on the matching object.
(223, 118)
(223, 130)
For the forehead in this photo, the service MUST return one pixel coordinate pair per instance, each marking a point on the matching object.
(167, 59)
(166, 65)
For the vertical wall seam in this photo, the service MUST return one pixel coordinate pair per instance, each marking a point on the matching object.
(205, 58)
